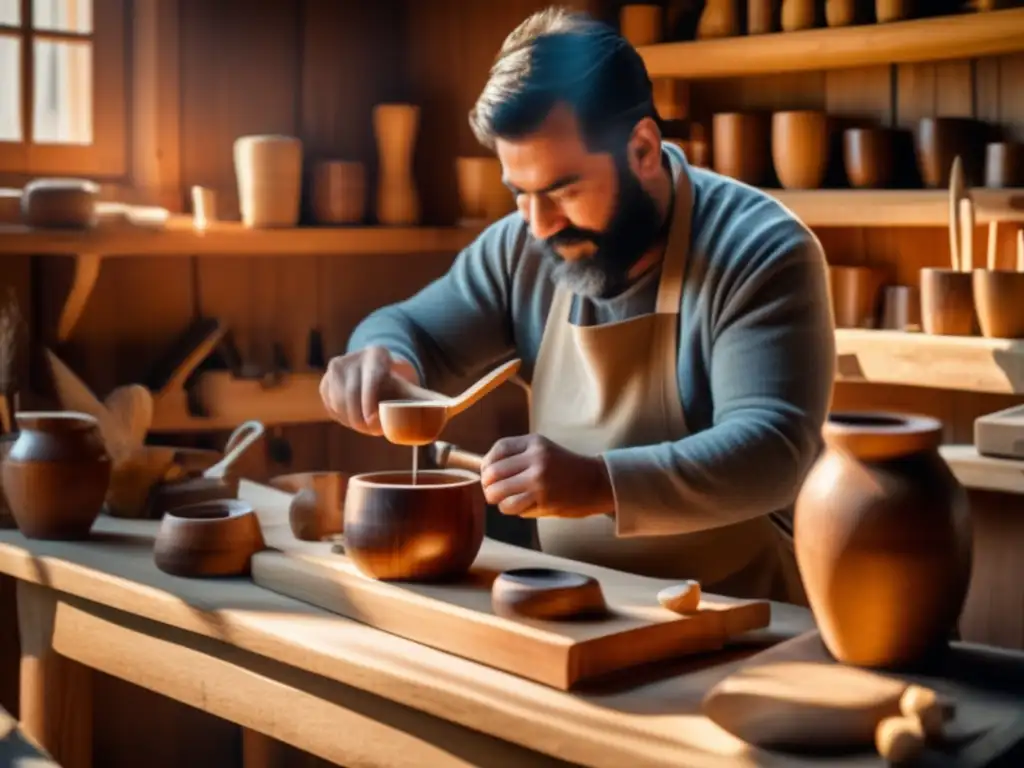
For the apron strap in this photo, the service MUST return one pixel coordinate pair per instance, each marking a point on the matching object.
(677, 250)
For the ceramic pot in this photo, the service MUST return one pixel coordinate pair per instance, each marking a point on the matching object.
(428, 531)
(883, 540)
(56, 474)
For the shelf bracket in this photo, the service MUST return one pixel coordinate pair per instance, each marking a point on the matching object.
(87, 270)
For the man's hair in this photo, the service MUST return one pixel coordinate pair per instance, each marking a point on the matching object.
(559, 56)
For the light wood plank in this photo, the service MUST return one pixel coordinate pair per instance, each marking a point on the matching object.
(935, 39)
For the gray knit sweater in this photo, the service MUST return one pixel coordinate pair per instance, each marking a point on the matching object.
(756, 351)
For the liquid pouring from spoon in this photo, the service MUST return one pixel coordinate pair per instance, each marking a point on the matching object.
(420, 422)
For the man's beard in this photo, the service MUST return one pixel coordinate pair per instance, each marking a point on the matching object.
(636, 225)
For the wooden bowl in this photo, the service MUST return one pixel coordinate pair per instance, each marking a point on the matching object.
(868, 157)
(999, 302)
(429, 531)
(800, 148)
(547, 593)
(315, 512)
(947, 302)
(412, 422)
(212, 538)
(741, 146)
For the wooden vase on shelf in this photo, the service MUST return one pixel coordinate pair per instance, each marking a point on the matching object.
(721, 18)
(762, 17)
(798, 14)
(883, 540)
(893, 10)
(395, 127)
(269, 172)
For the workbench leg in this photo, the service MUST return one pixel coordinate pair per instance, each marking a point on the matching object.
(55, 693)
(260, 751)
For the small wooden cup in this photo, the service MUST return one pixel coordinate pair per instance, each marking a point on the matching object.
(316, 511)
(212, 538)
(892, 10)
(741, 146)
(947, 302)
(901, 308)
(547, 594)
(868, 157)
(800, 148)
(999, 301)
(1004, 164)
(339, 192)
(940, 140)
(854, 292)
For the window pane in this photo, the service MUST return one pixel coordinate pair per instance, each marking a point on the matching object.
(10, 15)
(10, 88)
(62, 111)
(62, 15)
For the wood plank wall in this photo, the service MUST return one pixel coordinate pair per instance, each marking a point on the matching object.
(897, 96)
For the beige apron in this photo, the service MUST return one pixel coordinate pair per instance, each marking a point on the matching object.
(608, 386)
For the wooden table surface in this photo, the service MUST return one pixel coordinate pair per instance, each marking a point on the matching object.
(121, 615)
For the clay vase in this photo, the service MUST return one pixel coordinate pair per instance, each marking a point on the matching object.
(269, 173)
(56, 474)
(430, 530)
(720, 18)
(798, 14)
(800, 141)
(883, 540)
(395, 127)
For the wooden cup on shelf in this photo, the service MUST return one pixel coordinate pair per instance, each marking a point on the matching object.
(854, 292)
(893, 10)
(947, 302)
(763, 16)
(741, 146)
(868, 157)
(901, 308)
(483, 198)
(1004, 164)
(999, 295)
(339, 192)
(939, 140)
(641, 23)
(800, 141)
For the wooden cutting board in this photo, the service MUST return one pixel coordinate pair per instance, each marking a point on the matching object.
(457, 618)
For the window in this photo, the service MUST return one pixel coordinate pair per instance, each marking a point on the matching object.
(62, 87)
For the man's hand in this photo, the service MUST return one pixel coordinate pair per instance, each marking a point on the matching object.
(530, 476)
(356, 383)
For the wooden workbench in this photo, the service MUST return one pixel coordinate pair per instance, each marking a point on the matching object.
(327, 685)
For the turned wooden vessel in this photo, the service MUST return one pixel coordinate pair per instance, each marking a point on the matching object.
(883, 540)
(939, 140)
(428, 531)
(211, 538)
(799, 14)
(947, 302)
(998, 299)
(741, 146)
(395, 128)
(56, 474)
(800, 140)
(315, 512)
(547, 593)
(868, 157)
(269, 173)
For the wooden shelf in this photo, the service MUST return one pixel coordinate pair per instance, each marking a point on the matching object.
(895, 207)
(180, 238)
(983, 473)
(961, 36)
(967, 363)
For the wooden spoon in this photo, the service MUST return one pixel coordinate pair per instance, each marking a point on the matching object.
(419, 422)
(213, 484)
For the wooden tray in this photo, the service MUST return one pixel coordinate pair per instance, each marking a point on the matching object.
(457, 618)
(1001, 434)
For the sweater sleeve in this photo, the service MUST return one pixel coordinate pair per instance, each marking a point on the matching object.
(458, 324)
(771, 373)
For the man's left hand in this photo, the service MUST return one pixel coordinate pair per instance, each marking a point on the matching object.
(530, 476)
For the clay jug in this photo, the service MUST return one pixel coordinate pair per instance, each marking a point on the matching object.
(883, 540)
(56, 474)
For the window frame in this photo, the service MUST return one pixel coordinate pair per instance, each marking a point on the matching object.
(107, 156)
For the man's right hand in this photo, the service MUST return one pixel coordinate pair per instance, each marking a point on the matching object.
(357, 382)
